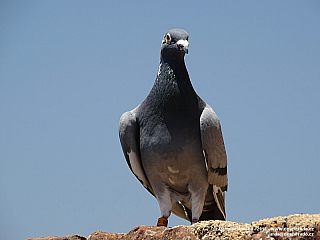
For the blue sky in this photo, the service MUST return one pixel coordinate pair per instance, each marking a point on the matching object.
(69, 69)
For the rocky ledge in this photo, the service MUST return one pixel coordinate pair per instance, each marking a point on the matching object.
(298, 226)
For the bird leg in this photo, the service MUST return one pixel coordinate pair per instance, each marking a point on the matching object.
(165, 203)
(197, 200)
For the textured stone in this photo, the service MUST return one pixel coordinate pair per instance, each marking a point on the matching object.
(69, 237)
(148, 233)
(298, 226)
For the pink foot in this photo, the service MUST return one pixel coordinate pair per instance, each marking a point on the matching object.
(194, 220)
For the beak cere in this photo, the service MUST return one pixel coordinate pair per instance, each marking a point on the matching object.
(183, 45)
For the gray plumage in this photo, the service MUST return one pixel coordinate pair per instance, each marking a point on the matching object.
(173, 141)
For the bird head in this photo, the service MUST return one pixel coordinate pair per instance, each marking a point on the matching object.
(175, 42)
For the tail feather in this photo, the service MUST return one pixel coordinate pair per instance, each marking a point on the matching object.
(214, 206)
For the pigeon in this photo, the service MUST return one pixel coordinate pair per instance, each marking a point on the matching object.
(173, 142)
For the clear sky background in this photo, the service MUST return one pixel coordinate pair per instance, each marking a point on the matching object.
(69, 69)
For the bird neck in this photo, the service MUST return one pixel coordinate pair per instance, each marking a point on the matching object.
(173, 71)
(172, 58)
(173, 86)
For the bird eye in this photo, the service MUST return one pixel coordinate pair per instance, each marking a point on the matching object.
(168, 38)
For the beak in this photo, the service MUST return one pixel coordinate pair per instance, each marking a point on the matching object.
(183, 45)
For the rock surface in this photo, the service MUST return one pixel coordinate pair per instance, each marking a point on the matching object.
(298, 226)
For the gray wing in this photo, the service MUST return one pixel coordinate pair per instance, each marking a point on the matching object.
(215, 155)
(129, 134)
